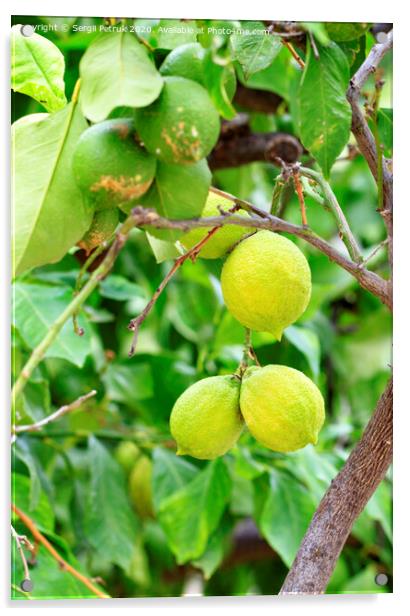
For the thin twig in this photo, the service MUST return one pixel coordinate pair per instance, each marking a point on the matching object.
(294, 53)
(102, 270)
(67, 408)
(346, 233)
(19, 543)
(64, 565)
(375, 251)
(313, 45)
(299, 192)
(135, 324)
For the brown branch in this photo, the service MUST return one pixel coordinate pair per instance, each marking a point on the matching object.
(65, 566)
(343, 502)
(294, 53)
(20, 541)
(262, 220)
(364, 136)
(257, 100)
(63, 410)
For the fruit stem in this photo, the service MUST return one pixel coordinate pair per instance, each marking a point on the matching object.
(248, 354)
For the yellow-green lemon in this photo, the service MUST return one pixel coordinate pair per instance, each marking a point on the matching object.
(110, 166)
(188, 61)
(282, 407)
(182, 125)
(126, 454)
(266, 282)
(102, 227)
(206, 421)
(224, 238)
(140, 487)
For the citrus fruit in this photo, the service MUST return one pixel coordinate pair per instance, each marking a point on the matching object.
(188, 61)
(102, 227)
(266, 282)
(110, 166)
(126, 454)
(205, 420)
(224, 238)
(182, 125)
(140, 487)
(282, 407)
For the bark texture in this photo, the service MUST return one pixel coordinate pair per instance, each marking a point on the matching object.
(343, 502)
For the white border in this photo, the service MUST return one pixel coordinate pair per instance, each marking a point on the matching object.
(300, 10)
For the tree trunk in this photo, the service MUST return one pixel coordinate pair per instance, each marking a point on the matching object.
(344, 500)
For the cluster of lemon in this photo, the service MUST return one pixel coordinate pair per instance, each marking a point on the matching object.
(115, 161)
(266, 285)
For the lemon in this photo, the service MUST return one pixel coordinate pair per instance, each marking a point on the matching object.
(102, 227)
(140, 487)
(224, 238)
(266, 282)
(188, 61)
(282, 407)
(109, 165)
(126, 454)
(205, 420)
(182, 125)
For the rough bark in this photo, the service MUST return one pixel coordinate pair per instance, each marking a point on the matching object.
(343, 502)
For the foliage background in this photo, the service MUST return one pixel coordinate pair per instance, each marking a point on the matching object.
(66, 477)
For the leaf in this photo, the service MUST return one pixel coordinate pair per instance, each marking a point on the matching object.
(345, 31)
(171, 33)
(385, 124)
(49, 212)
(116, 71)
(36, 307)
(190, 515)
(22, 450)
(276, 77)
(215, 550)
(216, 76)
(110, 524)
(254, 51)
(325, 114)
(314, 469)
(42, 514)
(170, 473)
(128, 381)
(317, 28)
(161, 249)
(120, 289)
(379, 508)
(178, 192)
(307, 342)
(37, 69)
(285, 515)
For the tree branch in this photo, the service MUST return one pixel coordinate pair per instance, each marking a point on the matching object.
(257, 100)
(343, 502)
(364, 136)
(262, 220)
(38, 536)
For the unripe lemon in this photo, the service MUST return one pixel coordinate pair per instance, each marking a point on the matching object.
(126, 454)
(205, 420)
(188, 61)
(182, 125)
(266, 282)
(140, 487)
(110, 166)
(282, 407)
(102, 227)
(224, 238)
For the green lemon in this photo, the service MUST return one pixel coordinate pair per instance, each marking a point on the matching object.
(188, 61)
(182, 125)
(102, 227)
(224, 238)
(110, 166)
(206, 421)
(126, 454)
(140, 487)
(266, 282)
(283, 408)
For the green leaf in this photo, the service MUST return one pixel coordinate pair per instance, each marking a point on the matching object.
(215, 550)
(325, 114)
(345, 31)
(119, 288)
(37, 69)
(178, 192)
(171, 33)
(190, 515)
(314, 469)
(285, 515)
(42, 514)
(170, 473)
(216, 76)
(254, 51)
(128, 381)
(161, 249)
(22, 450)
(276, 77)
(307, 342)
(110, 523)
(385, 124)
(116, 71)
(317, 28)
(36, 307)
(49, 212)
